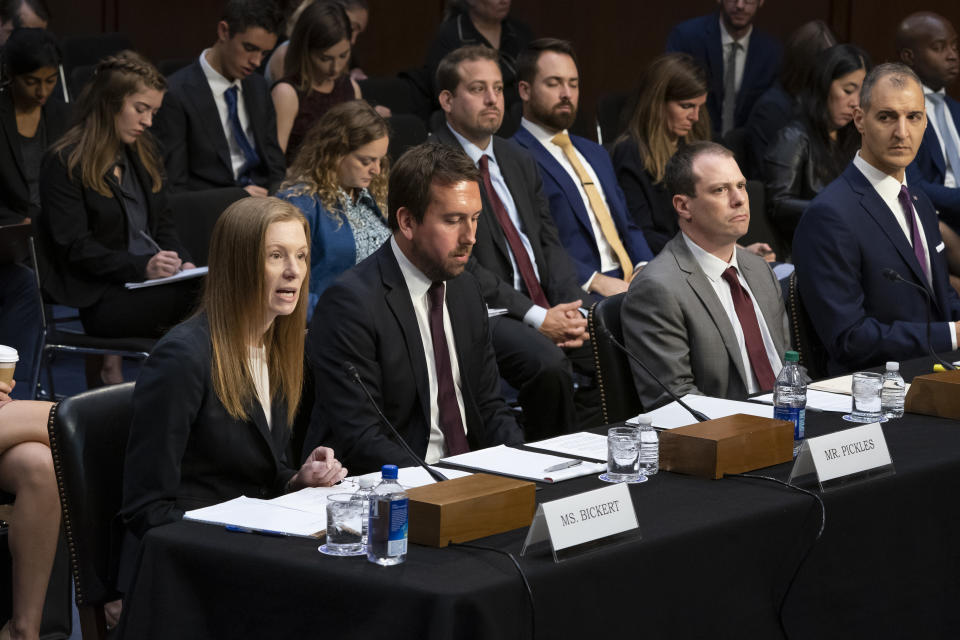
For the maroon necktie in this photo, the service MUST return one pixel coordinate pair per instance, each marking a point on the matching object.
(520, 254)
(904, 198)
(751, 331)
(451, 424)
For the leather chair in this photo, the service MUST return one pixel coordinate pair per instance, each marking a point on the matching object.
(611, 116)
(803, 337)
(88, 440)
(196, 212)
(618, 395)
(406, 131)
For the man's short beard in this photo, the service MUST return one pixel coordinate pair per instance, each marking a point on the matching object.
(555, 120)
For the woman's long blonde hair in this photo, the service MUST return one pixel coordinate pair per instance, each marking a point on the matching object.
(340, 131)
(94, 140)
(674, 76)
(234, 300)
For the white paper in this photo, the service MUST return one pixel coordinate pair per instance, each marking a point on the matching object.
(581, 445)
(840, 384)
(672, 415)
(817, 400)
(410, 477)
(261, 516)
(507, 461)
(186, 274)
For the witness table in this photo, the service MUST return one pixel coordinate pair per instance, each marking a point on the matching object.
(713, 559)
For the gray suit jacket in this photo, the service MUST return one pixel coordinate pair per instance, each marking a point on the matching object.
(674, 322)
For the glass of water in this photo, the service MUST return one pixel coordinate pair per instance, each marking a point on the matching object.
(623, 456)
(344, 525)
(865, 392)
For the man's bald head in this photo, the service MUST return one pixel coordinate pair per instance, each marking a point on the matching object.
(927, 43)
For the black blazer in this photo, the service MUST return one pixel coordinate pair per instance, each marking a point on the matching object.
(14, 192)
(649, 203)
(366, 318)
(195, 149)
(185, 451)
(83, 234)
(490, 262)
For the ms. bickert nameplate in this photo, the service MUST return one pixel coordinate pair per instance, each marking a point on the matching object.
(583, 518)
(857, 452)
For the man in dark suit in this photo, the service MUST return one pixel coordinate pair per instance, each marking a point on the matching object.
(518, 260)
(741, 62)
(415, 327)
(586, 202)
(928, 44)
(217, 127)
(867, 223)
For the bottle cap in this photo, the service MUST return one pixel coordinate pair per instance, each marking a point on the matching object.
(893, 366)
(366, 482)
(644, 421)
(389, 471)
(791, 356)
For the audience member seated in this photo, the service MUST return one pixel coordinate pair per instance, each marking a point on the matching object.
(218, 127)
(778, 104)
(339, 182)
(481, 22)
(105, 214)
(358, 11)
(815, 148)
(235, 370)
(414, 326)
(29, 121)
(315, 73)
(741, 61)
(927, 43)
(867, 222)
(518, 258)
(706, 316)
(14, 14)
(586, 202)
(26, 470)
(668, 114)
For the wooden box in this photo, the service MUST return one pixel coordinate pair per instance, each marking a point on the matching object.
(468, 508)
(935, 394)
(735, 444)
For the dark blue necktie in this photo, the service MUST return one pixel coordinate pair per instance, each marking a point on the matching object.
(249, 153)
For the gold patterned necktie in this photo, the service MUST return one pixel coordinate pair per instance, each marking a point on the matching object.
(600, 210)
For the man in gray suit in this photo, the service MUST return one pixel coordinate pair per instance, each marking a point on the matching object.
(706, 316)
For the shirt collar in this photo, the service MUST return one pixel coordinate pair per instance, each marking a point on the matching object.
(417, 282)
(726, 38)
(543, 136)
(927, 91)
(471, 149)
(886, 185)
(214, 77)
(712, 266)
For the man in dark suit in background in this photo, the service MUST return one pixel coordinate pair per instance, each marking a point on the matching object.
(865, 224)
(586, 201)
(518, 259)
(217, 127)
(927, 43)
(415, 327)
(741, 62)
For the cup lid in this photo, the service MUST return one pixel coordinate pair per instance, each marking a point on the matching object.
(8, 354)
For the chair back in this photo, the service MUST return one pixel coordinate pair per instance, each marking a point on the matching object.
(618, 395)
(196, 212)
(611, 119)
(806, 342)
(88, 440)
(406, 131)
(761, 230)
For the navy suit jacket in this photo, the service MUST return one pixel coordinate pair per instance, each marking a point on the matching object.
(846, 238)
(929, 168)
(570, 213)
(700, 37)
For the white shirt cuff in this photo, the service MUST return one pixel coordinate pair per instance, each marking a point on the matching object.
(535, 316)
(953, 336)
(586, 285)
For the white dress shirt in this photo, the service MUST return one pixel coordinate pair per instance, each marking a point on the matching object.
(218, 86)
(535, 316)
(260, 373)
(417, 286)
(725, 41)
(948, 179)
(888, 188)
(713, 267)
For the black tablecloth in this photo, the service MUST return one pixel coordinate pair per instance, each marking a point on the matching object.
(713, 559)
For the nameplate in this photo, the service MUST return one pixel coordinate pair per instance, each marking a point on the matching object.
(852, 452)
(583, 518)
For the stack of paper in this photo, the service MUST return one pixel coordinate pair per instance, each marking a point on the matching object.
(820, 400)
(581, 445)
(507, 461)
(673, 415)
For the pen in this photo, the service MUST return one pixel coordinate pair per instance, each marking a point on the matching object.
(260, 532)
(151, 241)
(562, 465)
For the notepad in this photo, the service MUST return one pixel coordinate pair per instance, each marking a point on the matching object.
(581, 445)
(262, 516)
(186, 274)
(517, 463)
(816, 399)
(672, 415)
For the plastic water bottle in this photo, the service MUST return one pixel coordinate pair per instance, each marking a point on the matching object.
(649, 446)
(893, 391)
(790, 397)
(387, 532)
(364, 492)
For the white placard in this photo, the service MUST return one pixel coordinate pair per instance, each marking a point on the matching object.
(844, 453)
(582, 518)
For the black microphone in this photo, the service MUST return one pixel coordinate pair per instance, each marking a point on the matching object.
(696, 414)
(351, 370)
(893, 276)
